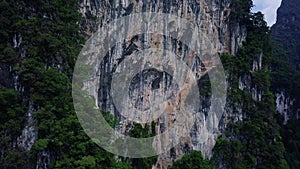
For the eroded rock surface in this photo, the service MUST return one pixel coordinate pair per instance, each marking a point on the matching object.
(148, 87)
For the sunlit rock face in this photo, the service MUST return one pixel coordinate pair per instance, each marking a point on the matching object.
(284, 105)
(151, 87)
(29, 133)
(211, 16)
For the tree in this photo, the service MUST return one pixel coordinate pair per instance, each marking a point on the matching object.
(194, 160)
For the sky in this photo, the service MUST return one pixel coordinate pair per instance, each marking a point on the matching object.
(268, 8)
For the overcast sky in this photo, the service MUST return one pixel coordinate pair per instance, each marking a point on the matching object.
(267, 7)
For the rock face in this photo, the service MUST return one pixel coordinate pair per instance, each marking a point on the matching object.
(286, 29)
(284, 105)
(286, 32)
(29, 133)
(212, 18)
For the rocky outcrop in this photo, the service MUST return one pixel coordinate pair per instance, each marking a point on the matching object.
(29, 133)
(286, 32)
(211, 17)
(284, 105)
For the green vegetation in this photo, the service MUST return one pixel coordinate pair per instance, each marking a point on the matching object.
(49, 32)
(12, 121)
(254, 142)
(291, 137)
(285, 77)
(143, 132)
(51, 37)
(194, 160)
(240, 11)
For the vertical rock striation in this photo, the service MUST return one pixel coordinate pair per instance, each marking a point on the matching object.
(284, 105)
(29, 133)
(212, 18)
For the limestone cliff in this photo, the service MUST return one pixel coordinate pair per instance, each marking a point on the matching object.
(38, 45)
(285, 33)
(212, 17)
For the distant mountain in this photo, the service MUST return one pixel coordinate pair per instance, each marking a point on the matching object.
(286, 76)
(286, 31)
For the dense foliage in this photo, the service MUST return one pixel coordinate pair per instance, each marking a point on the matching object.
(39, 43)
(12, 121)
(194, 160)
(286, 78)
(286, 31)
(286, 74)
(240, 11)
(254, 142)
